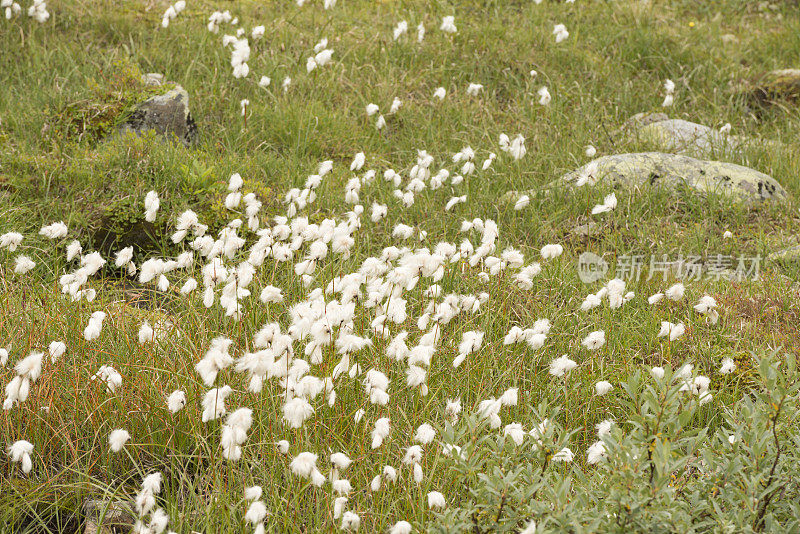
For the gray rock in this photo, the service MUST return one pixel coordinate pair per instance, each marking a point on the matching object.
(168, 114)
(655, 169)
(687, 138)
(672, 171)
(643, 119)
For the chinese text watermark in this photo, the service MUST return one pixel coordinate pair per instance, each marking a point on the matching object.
(635, 267)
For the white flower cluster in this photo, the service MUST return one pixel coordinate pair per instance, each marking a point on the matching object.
(172, 12)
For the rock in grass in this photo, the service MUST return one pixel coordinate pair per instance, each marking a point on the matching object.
(642, 119)
(656, 169)
(776, 87)
(687, 138)
(167, 114)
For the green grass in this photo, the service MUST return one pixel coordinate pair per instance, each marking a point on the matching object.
(612, 66)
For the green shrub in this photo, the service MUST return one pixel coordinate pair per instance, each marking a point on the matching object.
(661, 472)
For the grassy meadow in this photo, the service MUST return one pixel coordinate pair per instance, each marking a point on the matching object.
(68, 82)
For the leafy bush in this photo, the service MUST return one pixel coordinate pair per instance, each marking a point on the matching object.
(659, 471)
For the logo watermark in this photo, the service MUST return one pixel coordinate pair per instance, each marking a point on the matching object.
(591, 267)
(635, 267)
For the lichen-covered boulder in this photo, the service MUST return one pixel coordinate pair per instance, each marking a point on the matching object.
(167, 114)
(672, 170)
(692, 139)
(687, 138)
(642, 119)
(656, 169)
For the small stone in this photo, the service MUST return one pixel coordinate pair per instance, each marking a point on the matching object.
(168, 114)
